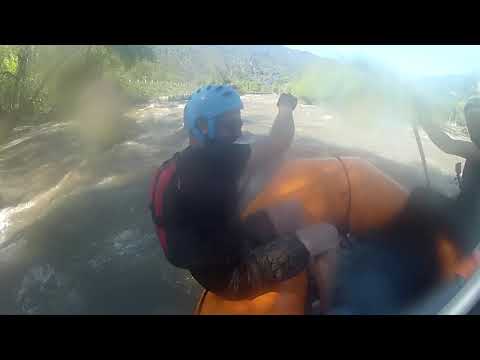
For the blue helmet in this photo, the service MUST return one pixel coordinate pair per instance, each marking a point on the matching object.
(209, 102)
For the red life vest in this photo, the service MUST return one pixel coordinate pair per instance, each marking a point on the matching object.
(162, 179)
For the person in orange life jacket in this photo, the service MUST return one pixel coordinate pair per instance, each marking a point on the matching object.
(194, 203)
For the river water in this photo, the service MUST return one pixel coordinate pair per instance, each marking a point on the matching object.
(76, 236)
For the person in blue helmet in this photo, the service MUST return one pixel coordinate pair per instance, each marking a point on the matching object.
(195, 202)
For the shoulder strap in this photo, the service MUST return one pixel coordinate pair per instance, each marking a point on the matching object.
(156, 219)
(162, 178)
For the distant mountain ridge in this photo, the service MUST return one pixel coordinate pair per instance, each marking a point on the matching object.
(270, 67)
(265, 64)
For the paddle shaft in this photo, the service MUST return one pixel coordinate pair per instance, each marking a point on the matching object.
(422, 154)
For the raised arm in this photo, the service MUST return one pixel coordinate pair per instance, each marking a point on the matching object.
(281, 133)
(451, 146)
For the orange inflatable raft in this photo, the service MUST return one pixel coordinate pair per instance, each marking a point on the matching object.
(342, 191)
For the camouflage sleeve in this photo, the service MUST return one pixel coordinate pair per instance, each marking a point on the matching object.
(273, 262)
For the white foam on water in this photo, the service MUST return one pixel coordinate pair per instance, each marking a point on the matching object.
(106, 180)
(22, 128)
(15, 142)
(6, 215)
(9, 253)
(43, 282)
(36, 207)
(132, 143)
(36, 275)
(98, 262)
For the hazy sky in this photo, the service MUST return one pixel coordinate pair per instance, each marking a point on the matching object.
(413, 60)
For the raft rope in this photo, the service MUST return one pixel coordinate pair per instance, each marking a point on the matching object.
(345, 228)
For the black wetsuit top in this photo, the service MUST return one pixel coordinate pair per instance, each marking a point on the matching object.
(204, 232)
